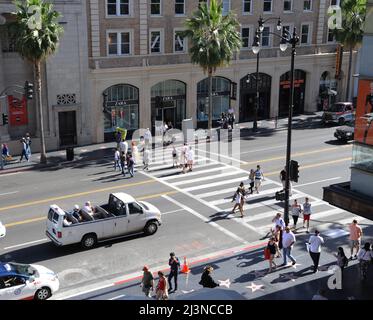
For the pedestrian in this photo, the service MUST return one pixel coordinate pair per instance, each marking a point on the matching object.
(283, 178)
(147, 282)
(135, 152)
(190, 158)
(279, 223)
(145, 158)
(174, 264)
(296, 210)
(315, 243)
(161, 292)
(183, 157)
(342, 260)
(320, 295)
(306, 213)
(28, 143)
(277, 234)
(24, 150)
(118, 137)
(365, 257)
(259, 177)
(273, 251)
(130, 164)
(355, 237)
(239, 200)
(123, 162)
(206, 279)
(123, 146)
(117, 160)
(288, 240)
(148, 138)
(252, 180)
(174, 158)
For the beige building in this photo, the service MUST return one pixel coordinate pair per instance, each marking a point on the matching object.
(140, 69)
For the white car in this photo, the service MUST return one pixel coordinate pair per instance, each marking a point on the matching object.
(2, 230)
(26, 282)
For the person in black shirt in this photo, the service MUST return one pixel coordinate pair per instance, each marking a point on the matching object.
(206, 279)
(174, 264)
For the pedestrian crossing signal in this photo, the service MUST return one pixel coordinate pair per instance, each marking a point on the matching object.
(294, 171)
(5, 119)
(29, 90)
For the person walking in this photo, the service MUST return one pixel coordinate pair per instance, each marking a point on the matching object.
(123, 162)
(355, 238)
(273, 251)
(342, 260)
(365, 257)
(24, 150)
(28, 143)
(148, 138)
(306, 213)
(130, 164)
(161, 292)
(315, 243)
(296, 210)
(259, 177)
(146, 158)
(190, 158)
(183, 157)
(288, 240)
(283, 181)
(175, 162)
(174, 264)
(206, 279)
(135, 152)
(147, 282)
(252, 180)
(279, 224)
(123, 146)
(117, 160)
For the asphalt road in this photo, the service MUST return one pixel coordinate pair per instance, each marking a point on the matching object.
(196, 221)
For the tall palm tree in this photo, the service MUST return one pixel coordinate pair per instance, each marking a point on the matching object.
(37, 33)
(351, 34)
(214, 38)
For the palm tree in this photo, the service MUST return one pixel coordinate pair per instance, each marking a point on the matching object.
(36, 32)
(351, 34)
(213, 40)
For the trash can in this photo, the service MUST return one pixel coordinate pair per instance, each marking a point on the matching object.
(70, 154)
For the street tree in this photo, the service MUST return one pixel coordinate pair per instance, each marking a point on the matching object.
(213, 39)
(351, 33)
(37, 33)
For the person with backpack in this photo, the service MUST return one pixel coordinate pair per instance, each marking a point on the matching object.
(174, 264)
(206, 279)
(365, 257)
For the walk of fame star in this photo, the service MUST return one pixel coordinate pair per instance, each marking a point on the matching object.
(254, 287)
(226, 283)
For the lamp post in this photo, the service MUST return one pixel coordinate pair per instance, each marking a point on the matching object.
(256, 51)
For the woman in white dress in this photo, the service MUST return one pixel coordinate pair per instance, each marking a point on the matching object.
(135, 152)
(190, 158)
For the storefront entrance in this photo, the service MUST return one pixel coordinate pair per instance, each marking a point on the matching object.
(67, 128)
(168, 100)
(299, 93)
(248, 97)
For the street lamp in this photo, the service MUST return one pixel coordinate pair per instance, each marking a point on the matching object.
(256, 50)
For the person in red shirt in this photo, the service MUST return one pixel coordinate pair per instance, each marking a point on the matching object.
(162, 287)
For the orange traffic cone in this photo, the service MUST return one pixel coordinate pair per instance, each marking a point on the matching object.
(185, 268)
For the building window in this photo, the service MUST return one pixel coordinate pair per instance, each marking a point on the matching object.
(288, 5)
(179, 42)
(118, 7)
(331, 35)
(155, 7)
(267, 5)
(307, 5)
(179, 7)
(245, 34)
(119, 43)
(247, 6)
(155, 42)
(226, 7)
(305, 34)
(266, 37)
(8, 44)
(289, 28)
(362, 156)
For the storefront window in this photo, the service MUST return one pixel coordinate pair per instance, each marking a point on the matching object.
(121, 103)
(362, 157)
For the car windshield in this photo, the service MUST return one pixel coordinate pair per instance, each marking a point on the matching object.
(336, 108)
(144, 205)
(23, 269)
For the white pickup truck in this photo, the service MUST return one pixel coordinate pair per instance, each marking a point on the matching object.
(123, 215)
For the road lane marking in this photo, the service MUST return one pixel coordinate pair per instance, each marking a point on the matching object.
(68, 196)
(5, 194)
(13, 173)
(26, 243)
(173, 211)
(316, 182)
(222, 156)
(208, 221)
(117, 297)
(209, 177)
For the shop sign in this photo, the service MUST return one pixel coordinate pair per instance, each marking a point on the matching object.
(17, 111)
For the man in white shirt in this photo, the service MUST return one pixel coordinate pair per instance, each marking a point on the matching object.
(288, 240)
(315, 243)
(147, 137)
(123, 146)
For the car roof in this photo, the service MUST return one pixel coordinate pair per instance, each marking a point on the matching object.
(125, 197)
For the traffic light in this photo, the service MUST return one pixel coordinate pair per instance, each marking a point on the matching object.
(294, 170)
(5, 119)
(280, 195)
(29, 90)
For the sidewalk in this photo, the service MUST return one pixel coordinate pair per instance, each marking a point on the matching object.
(105, 150)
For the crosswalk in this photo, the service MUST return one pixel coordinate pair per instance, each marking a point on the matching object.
(212, 183)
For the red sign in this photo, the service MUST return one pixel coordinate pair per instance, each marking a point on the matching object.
(17, 111)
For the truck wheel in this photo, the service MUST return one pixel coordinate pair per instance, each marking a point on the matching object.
(89, 241)
(43, 294)
(150, 228)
